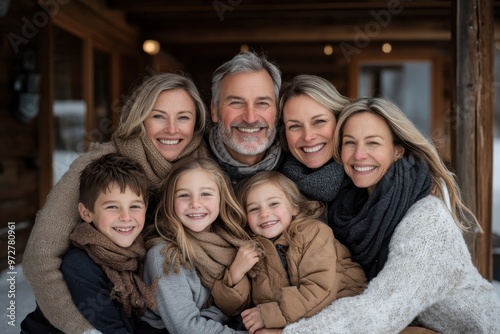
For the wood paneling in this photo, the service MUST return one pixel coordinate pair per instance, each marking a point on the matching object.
(19, 165)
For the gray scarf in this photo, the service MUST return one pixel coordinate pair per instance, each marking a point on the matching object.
(236, 169)
(320, 184)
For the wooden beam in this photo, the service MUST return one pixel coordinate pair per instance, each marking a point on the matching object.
(133, 6)
(473, 121)
(338, 33)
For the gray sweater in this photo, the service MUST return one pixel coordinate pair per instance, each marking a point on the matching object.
(180, 298)
(429, 276)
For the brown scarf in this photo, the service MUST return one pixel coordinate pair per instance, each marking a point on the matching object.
(155, 165)
(121, 266)
(214, 252)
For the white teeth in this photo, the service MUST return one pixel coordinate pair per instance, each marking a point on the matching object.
(313, 149)
(249, 130)
(123, 229)
(269, 223)
(364, 169)
(197, 215)
(169, 142)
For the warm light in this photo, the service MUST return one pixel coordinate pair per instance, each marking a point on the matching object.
(497, 45)
(387, 47)
(328, 49)
(151, 47)
(244, 48)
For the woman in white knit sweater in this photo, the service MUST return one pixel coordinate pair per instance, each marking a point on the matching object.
(408, 241)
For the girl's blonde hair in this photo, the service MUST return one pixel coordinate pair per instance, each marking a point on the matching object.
(142, 100)
(405, 134)
(307, 209)
(168, 225)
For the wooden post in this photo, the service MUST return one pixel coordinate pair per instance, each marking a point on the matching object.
(472, 142)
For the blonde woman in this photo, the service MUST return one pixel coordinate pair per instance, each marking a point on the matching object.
(310, 106)
(409, 243)
(162, 123)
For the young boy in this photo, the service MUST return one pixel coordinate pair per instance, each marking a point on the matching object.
(102, 270)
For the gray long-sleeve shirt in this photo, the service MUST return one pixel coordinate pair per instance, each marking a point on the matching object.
(180, 298)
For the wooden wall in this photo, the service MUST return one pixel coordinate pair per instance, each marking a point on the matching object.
(19, 159)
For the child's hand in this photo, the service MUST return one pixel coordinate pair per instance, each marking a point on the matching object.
(245, 259)
(252, 319)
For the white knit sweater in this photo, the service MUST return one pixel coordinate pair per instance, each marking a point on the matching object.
(428, 275)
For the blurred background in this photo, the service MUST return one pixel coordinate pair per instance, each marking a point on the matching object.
(67, 66)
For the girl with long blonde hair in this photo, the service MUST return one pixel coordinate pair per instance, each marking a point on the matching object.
(196, 236)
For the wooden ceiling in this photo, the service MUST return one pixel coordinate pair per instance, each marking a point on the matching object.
(203, 34)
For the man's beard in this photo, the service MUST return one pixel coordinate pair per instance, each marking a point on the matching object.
(249, 144)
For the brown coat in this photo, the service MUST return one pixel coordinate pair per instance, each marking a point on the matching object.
(319, 271)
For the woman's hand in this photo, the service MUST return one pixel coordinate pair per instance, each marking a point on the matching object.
(245, 259)
(252, 319)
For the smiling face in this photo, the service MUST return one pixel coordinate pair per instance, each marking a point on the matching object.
(119, 216)
(170, 124)
(309, 129)
(368, 149)
(269, 212)
(196, 200)
(246, 115)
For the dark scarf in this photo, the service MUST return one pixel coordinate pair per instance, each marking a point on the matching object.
(365, 224)
(121, 266)
(320, 184)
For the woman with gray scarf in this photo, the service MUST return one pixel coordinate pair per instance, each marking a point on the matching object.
(407, 239)
(310, 106)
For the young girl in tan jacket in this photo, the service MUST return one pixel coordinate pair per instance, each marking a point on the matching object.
(304, 268)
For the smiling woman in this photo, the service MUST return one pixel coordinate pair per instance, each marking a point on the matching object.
(170, 125)
(310, 106)
(368, 149)
(407, 240)
(162, 123)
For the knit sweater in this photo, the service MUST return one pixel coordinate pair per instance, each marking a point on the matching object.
(49, 239)
(429, 276)
(180, 299)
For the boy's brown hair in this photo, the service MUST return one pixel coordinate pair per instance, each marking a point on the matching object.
(110, 169)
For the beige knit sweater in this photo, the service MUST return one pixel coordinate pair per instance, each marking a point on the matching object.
(49, 239)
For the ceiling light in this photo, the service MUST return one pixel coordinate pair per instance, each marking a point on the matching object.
(328, 49)
(386, 47)
(151, 47)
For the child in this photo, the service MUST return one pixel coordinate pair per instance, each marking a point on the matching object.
(198, 231)
(305, 268)
(102, 268)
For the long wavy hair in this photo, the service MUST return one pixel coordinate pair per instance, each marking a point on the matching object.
(405, 134)
(168, 227)
(138, 107)
(307, 209)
